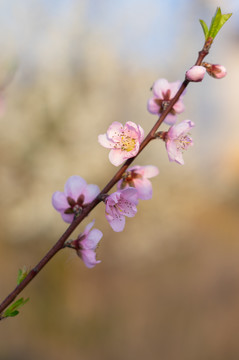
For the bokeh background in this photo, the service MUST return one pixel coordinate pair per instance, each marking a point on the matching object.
(168, 285)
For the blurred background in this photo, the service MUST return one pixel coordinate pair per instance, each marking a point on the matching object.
(168, 285)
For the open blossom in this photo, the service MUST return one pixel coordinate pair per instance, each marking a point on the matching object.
(163, 92)
(137, 177)
(77, 194)
(124, 141)
(177, 140)
(120, 204)
(86, 244)
(195, 73)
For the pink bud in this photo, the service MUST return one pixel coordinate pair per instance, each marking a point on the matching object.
(215, 70)
(195, 73)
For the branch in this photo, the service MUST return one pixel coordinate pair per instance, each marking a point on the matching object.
(60, 243)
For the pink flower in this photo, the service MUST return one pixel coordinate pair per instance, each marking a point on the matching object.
(177, 140)
(195, 73)
(137, 177)
(86, 244)
(120, 204)
(215, 70)
(77, 194)
(163, 92)
(124, 141)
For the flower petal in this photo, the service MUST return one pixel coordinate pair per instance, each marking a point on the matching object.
(88, 227)
(179, 129)
(127, 208)
(92, 240)
(160, 87)
(89, 258)
(152, 107)
(130, 194)
(67, 217)
(114, 131)
(144, 188)
(75, 186)
(59, 201)
(170, 119)
(147, 171)
(179, 107)
(104, 141)
(117, 224)
(116, 157)
(173, 153)
(174, 86)
(90, 192)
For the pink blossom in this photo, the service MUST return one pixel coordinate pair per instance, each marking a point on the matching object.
(137, 177)
(195, 73)
(77, 194)
(215, 70)
(86, 244)
(177, 140)
(163, 92)
(124, 141)
(120, 204)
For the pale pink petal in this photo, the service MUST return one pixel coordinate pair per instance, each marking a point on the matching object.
(170, 119)
(160, 87)
(131, 130)
(113, 198)
(117, 224)
(74, 186)
(131, 124)
(116, 157)
(174, 86)
(89, 258)
(92, 240)
(114, 131)
(173, 153)
(141, 134)
(152, 107)
(130, 194)
(104, 141)
(90, 192)
(179, 107)
(88, 227)
(148, 171)
(127, 208)
(144, 188)
(67, 217)
(59, 201)
(182, 128)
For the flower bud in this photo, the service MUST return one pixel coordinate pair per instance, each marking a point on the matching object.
(215, 70)
(195, 73)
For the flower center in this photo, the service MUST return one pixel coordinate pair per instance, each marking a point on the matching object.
(127, 143)
(183, 142)
(75, 207)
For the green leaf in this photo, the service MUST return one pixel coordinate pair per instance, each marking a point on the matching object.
(217, 22)
(22, 273)
(204, 27)
(12, 310)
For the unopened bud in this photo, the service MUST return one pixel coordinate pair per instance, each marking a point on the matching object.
(215, 70)
(195, 73)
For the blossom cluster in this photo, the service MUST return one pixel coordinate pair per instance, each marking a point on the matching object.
(124, 142)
